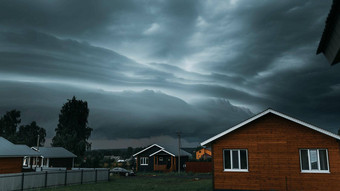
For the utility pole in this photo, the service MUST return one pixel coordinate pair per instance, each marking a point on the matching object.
(179, 152)
(36, 158)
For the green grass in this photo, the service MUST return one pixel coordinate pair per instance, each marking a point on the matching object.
(150, 181)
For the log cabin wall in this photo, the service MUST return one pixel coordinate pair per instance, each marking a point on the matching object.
(273, 145)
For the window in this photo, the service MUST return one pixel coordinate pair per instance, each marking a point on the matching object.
(235, 160)
(144, 160)
(314, 160)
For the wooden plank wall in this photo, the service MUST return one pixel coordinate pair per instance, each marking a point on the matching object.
(273, 145)
(11, 165)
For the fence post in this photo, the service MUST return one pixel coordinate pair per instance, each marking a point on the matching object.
(22, 181)
(81, 179)
(45, 179)
(95, 180)
(65, 177)
(108, 174)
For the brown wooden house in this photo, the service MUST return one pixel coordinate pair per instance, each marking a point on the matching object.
(272, 151)
(160, 158)
(203, 153)
(11, 156)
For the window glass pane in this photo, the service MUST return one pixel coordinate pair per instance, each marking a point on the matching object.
(243, 154)
(323, 160)
(313, 159)
(304, 160)
(227, 163)
(235, 159)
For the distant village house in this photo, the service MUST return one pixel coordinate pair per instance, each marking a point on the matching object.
(160, 158)
(203, 153)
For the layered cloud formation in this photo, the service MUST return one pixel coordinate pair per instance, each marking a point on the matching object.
(151, 68)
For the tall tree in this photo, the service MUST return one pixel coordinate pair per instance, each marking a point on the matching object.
(8, 125)
(73, 131)
(28, 135)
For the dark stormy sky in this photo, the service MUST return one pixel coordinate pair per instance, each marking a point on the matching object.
(150, 68)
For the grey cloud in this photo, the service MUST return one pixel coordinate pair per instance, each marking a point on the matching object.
(253, 54)
(126, 114)
(47, 57)
(263, 31)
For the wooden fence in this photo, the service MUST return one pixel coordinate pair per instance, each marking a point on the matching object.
(30, 180)
(198, 167)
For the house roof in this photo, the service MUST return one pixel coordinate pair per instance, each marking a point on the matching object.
(8, 149)
(147, 149)
(331, 21)
(273, 112)
(162, 150)
(189, 150)
(170, 149)
(208, 148)
(55, 152)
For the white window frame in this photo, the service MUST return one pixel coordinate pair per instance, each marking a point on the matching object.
(239, 161)
(309, 163)
(144, 161)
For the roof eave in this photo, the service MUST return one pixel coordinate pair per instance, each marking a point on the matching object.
(161, 151)
(147, 149)
(209, 141)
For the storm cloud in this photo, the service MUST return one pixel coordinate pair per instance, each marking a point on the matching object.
(150, 68)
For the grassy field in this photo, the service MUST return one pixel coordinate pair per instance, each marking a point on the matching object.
(159, 182)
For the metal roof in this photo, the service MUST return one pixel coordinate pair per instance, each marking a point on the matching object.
(55, 152)
(276, 113)
(174, 150)
(8, 149)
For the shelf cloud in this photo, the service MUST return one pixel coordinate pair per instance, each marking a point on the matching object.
(149, 69)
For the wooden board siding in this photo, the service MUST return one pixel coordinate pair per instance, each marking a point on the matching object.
(273, 145)
(167, 165)
(11, 165)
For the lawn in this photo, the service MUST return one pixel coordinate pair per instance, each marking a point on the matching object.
(159, 182)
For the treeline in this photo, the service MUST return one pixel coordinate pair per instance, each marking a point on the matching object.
(103, 158)
(72, 131)
(24, 134)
